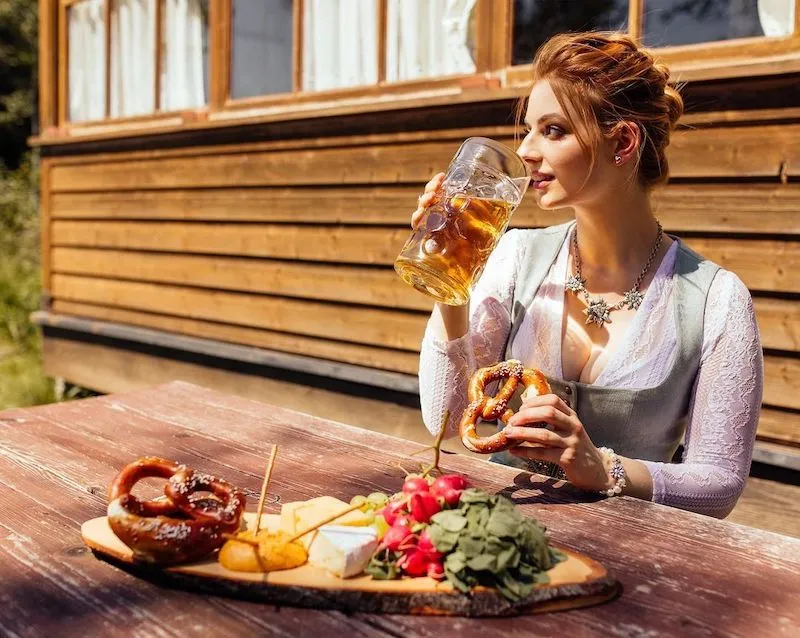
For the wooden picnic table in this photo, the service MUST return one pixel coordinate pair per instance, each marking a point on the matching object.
(682, 574)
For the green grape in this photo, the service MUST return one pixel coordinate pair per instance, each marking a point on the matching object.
(378, 499)
(359, 500)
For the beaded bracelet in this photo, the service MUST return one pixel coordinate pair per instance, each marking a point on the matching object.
(616, 471)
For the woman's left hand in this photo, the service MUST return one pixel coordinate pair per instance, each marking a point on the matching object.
(564, 441)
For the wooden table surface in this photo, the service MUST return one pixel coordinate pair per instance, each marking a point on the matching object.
(682, 574)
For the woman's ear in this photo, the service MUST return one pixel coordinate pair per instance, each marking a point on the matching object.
(627, 141)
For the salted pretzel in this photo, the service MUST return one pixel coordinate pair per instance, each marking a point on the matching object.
(495, 408)
(173, 530)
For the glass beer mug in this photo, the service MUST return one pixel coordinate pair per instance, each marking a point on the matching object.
(446, 253)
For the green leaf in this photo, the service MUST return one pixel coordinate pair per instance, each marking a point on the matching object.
(541, 578)
(474, 495)
(450, 520)
(508, 558)
(503, 524)
(511, 584)
(442, 540)
(484, 562)
(455, 562)
(381, 569)
(471, 546)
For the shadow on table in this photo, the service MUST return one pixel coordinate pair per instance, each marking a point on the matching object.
(545, 490)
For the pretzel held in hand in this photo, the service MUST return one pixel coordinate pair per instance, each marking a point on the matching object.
(173, 531)
(495, 408)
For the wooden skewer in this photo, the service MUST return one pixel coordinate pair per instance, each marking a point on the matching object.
(352, 508)
(264, 486)
(240, 539)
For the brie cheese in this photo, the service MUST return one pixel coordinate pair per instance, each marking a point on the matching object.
(301, 515)
(342, 550)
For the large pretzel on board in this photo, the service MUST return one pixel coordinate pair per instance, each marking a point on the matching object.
(495, 408)
(183, 527)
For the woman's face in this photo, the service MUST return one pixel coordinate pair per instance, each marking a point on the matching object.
(561, 169)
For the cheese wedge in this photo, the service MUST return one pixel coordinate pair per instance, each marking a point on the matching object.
(300, 515)
(343, 550)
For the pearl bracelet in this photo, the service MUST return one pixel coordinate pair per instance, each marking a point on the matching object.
(616, 472)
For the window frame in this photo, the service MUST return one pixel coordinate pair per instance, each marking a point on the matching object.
(63, 65)
(495, 77)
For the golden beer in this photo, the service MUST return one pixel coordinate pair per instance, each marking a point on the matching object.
(447, 252)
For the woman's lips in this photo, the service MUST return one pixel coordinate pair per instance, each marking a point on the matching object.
(541, 181)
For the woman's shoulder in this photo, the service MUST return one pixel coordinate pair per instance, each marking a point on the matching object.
(721, 280)
(730, 289)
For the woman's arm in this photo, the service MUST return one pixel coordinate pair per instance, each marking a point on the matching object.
(723, 414)
(458, 340)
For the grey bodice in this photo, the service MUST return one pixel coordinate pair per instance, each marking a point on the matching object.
(646, 424)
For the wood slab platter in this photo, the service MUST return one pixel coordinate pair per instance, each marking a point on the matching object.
(577, 582)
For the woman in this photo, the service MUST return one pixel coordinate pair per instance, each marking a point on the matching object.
(645, 343)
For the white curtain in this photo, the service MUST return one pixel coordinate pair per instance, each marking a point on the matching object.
(133, 41)
(428, 38)
(776, 17)
(340, 43)
(183, 64)
(87, 56)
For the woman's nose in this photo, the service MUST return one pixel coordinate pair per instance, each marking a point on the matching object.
(528, 151)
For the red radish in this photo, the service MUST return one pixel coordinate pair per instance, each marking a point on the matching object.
(414, 563)
(396, 536)
(426, 546)
(449, 487)
(422, 506)
(436, 570)
(394, 510)
(415, 484)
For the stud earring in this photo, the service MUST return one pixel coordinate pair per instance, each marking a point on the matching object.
(617, 159)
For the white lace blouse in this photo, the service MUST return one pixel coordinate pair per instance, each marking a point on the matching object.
(723, 412)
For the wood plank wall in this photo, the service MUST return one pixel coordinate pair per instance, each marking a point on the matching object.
(289, 245)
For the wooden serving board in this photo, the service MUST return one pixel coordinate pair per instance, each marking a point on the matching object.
(577, 582)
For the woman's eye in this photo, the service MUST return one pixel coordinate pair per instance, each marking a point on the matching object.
(553, 131)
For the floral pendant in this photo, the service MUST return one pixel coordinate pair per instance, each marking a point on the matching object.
(598, 312)
(575, 284)
(632, 299)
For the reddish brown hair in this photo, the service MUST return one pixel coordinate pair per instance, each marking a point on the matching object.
(604, 79)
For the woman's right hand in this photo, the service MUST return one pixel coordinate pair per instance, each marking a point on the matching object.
(432, 191)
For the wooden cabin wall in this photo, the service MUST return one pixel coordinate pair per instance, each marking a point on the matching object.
(288, 245)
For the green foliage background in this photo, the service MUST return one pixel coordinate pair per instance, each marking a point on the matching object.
(22, 381)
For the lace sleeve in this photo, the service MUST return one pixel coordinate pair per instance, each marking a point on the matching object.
(445, 367)
(723, 414)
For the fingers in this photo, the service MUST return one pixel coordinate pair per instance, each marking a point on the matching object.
(560, 421)
(435, 183)
(541, 436)
(429, 196)
(551, 400)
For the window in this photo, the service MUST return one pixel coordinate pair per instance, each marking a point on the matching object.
(184, 55)
(228, 59)
(536, 20)
(261, 47)
(134, 77)
(132, 57)
(429, 38)
(348, 43)
(340, 44)
(86, 61)
(675, 22)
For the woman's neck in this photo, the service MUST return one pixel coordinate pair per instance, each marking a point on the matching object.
(617, 236)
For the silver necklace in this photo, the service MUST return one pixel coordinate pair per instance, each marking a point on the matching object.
(597, 310)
